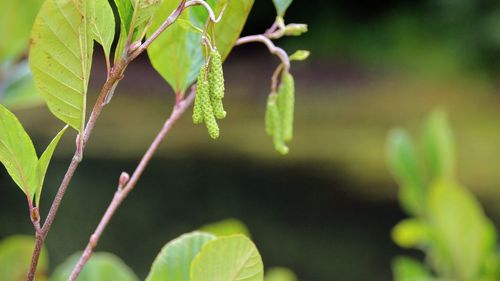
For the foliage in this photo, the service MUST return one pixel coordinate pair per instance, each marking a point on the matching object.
(447, 222)
(180, 39)
(19, 156)
(185, 258)
(15, 258)
(226, 227)
(102, 267)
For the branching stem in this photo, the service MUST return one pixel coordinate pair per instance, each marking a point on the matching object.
(114, 77)
(273, 49)
(122, 192)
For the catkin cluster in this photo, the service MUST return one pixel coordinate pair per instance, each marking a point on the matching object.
(209, 94)
(279, 113)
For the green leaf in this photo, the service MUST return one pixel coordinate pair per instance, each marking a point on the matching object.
(402, 158)
(174, 261)
(461, 228)
(403, 163)
(300, 55)
(176, 54)
(16, 20)
(182, 47)
(226, 227)
(101, 267)
(15, 259)
(102, 23)
(440, 147)
(412, 199)
(282, 6)
(280, 274)
(143, 12)
(409, 269)
(125, 11)
(61, 58)
(228, 30)
(44, 161)
(17, 152)
(227, 259)
(411, 233)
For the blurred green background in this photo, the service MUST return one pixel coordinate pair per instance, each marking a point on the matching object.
(326, 209)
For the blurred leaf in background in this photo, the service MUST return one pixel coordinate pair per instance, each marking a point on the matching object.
(101, 267)
(280, 274)
(452, 229)
(15, 259)
(226, 227)
(16, 82)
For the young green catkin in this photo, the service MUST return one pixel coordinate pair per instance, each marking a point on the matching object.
(197, 108)
(218, 108)
(208, 112)
(286, 104)
(276, 126)
(271, 99)
(216, 75)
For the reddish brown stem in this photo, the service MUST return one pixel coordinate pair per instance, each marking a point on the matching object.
(115, 76)
(123, 191)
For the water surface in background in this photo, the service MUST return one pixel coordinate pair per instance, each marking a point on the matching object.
(299, 217)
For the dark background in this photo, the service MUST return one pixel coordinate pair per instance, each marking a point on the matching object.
(327, 209)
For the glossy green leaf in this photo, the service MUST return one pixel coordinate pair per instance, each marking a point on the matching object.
(411, 233)
(440, 147)
(282, 6)
(408, 269)
(15, 259)
(173, 263)
(44, 161)
(227, 259)
(461, 227)
(176, 54)
(125, 11)
(226, 227)
(228, 30)
(16, 20)
(61, 58)
(101, 267)
(102, 23)
(17, 152)
(280, 274)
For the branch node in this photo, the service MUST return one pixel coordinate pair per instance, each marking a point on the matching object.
(124, 178)
(93, 241)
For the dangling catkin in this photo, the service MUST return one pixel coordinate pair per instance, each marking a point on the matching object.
(218, 108)
(271, 99)
(286, 104)
(208, 112)
(197, 108)
(216, 75)
(275, 126)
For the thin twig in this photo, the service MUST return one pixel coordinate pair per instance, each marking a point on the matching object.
(117, 73)
(123, 191)
(169, 21)
(40, 238)
(211, 13)
(279, 52)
